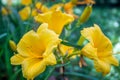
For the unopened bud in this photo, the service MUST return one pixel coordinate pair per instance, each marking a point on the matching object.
(85, 15)
(13, 45)
(74, 1)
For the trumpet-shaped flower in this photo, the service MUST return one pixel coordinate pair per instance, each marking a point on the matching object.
(55, 19)
(35, 51)
(26, 2)
(25, 13)
(98, 49)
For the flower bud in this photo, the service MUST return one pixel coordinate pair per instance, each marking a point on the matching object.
(85, 15)
(12, 45)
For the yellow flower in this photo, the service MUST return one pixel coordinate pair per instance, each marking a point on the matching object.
(35, 51)
(66, 49)
(25, 13)
(26, 2)
(55, 19)
(98, 49)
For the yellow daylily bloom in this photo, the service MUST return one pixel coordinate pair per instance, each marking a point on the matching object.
(55, 19)
(66, 49)
(99, 49)
(26, 2)
(35, 51)
(25, 13)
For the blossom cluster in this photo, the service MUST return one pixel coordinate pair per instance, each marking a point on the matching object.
(38, 49)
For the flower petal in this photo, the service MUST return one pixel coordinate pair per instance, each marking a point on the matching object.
(44, 18)
(31, 45)
(48, 37)
(111, 60)
(50, 59)
(17, 59)
(32, 67)
(89, 51)
(101, 66)
(25, 13)
(26, 2)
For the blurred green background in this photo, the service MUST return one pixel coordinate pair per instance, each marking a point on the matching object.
(106, 13)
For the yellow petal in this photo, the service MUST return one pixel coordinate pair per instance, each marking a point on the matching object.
(17, 59)
(111, 60)
(50, 59)
(26, 2)
(48, 37)
(89, 51)
(32, 67)
(44, 18)
(102, 66)
(41, 7)
(25, 13)
(56, 20)
(56, 7)
(31, 45)
(34, 12)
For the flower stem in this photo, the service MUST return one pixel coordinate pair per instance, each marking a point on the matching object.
(50, 72)
(74, 53)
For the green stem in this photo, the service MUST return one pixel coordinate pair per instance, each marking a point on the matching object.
(49, 74)
(74, 53)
